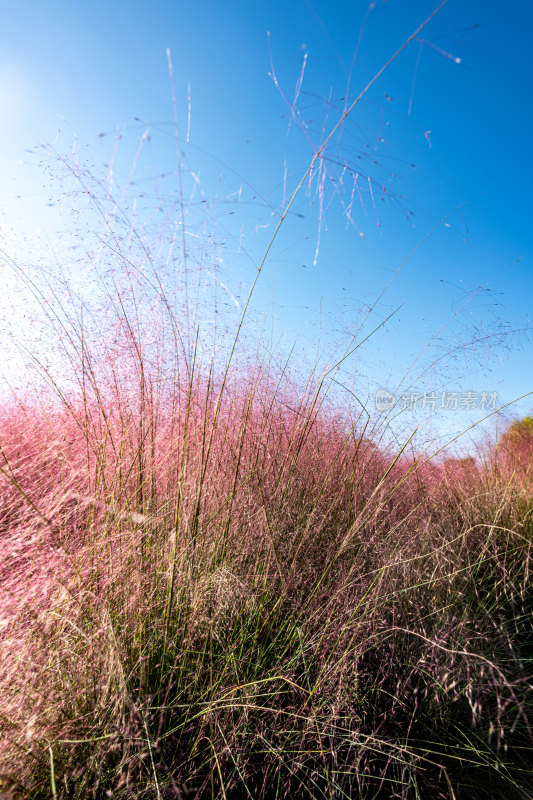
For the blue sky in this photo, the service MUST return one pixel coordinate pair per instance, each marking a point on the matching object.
(445, 130)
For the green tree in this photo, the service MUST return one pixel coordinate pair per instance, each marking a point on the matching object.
(516, 444)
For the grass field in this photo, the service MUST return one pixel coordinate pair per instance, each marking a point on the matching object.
(228, 590)
(218, 581)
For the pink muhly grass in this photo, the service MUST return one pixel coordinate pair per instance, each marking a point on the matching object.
(131, 541)
(215, 580)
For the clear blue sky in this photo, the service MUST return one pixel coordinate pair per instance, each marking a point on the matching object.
(438, 132)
